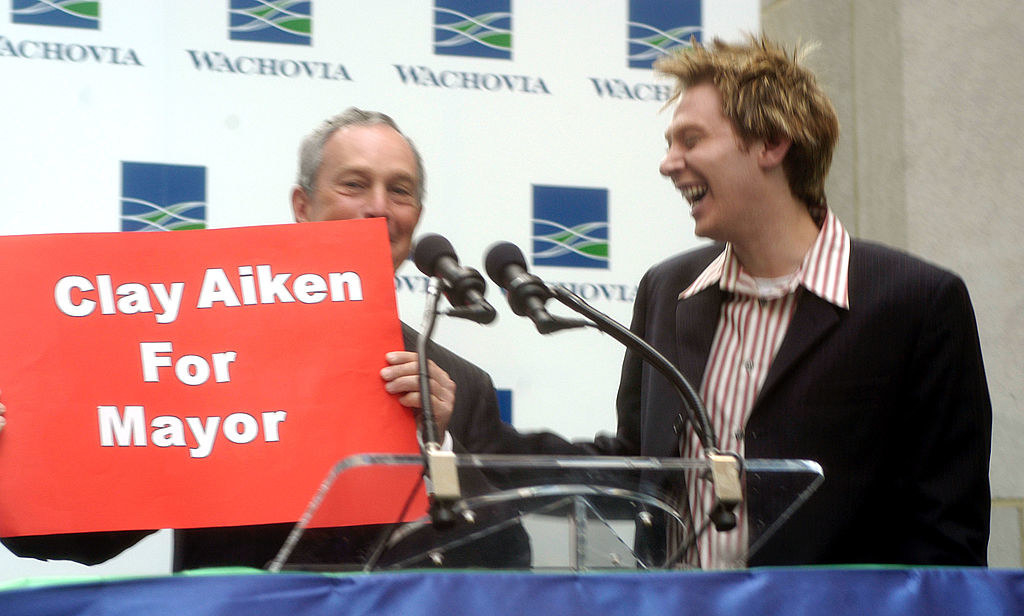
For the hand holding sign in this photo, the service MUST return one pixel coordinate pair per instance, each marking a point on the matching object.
(402, 377)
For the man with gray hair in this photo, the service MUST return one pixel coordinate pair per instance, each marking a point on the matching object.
(357, 164)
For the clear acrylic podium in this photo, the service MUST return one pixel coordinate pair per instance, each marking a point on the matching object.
(529, 512)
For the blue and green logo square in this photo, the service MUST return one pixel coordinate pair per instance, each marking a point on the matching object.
(63, 13)
(657, 27)
(159, 197)
(570, 226)
(271, 21)
(479, 28)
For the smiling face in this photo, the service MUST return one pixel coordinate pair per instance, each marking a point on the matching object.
(710, 165)
(366, 171)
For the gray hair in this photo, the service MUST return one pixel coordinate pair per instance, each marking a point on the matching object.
(311, 152)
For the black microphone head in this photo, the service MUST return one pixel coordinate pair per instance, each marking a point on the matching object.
(429, 249)
(499, 257)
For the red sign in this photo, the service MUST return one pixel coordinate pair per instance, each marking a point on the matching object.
(192, 378)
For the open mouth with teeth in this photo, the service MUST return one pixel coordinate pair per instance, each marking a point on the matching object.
(694, 192)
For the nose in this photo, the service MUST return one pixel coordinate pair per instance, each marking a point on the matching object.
(376, 205)
(672, 163)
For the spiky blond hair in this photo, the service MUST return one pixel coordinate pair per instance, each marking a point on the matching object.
(767, 94)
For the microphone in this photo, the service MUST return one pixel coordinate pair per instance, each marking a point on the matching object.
(463, 286)
(527, 293)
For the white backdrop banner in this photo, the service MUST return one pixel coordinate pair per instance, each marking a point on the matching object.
(540, 122)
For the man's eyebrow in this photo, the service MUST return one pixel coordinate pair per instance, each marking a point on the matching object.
(403, 176)
(353, 169)
(675, 129)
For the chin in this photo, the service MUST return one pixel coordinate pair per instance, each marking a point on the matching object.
(700, 229)
(707, 233)
(398, 258)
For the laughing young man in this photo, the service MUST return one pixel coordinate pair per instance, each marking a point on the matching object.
(806, 343)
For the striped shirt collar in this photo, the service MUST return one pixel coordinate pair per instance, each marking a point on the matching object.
(824, 271)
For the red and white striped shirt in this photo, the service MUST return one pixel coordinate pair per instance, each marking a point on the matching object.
(752, 323)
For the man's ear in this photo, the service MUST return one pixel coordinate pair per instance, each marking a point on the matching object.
(773, 153)
(300, 204)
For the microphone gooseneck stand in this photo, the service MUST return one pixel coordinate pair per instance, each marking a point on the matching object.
(464, 288)
(427, 331)
(439, 466)
(724, 467)
(698, 415)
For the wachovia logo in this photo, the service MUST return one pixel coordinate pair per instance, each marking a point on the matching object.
(570, 226)
(479, 28)
(64, 13)
(160, 197)
(656, 27)
(271, 21)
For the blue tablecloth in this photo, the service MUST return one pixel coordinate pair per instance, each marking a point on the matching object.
(771, 592)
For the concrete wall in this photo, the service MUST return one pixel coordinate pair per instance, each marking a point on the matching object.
(930, 160)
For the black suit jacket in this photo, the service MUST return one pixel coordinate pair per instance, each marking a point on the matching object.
(889, 397)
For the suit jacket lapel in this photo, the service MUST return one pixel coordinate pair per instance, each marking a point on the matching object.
(696, 321)
(813, 319)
